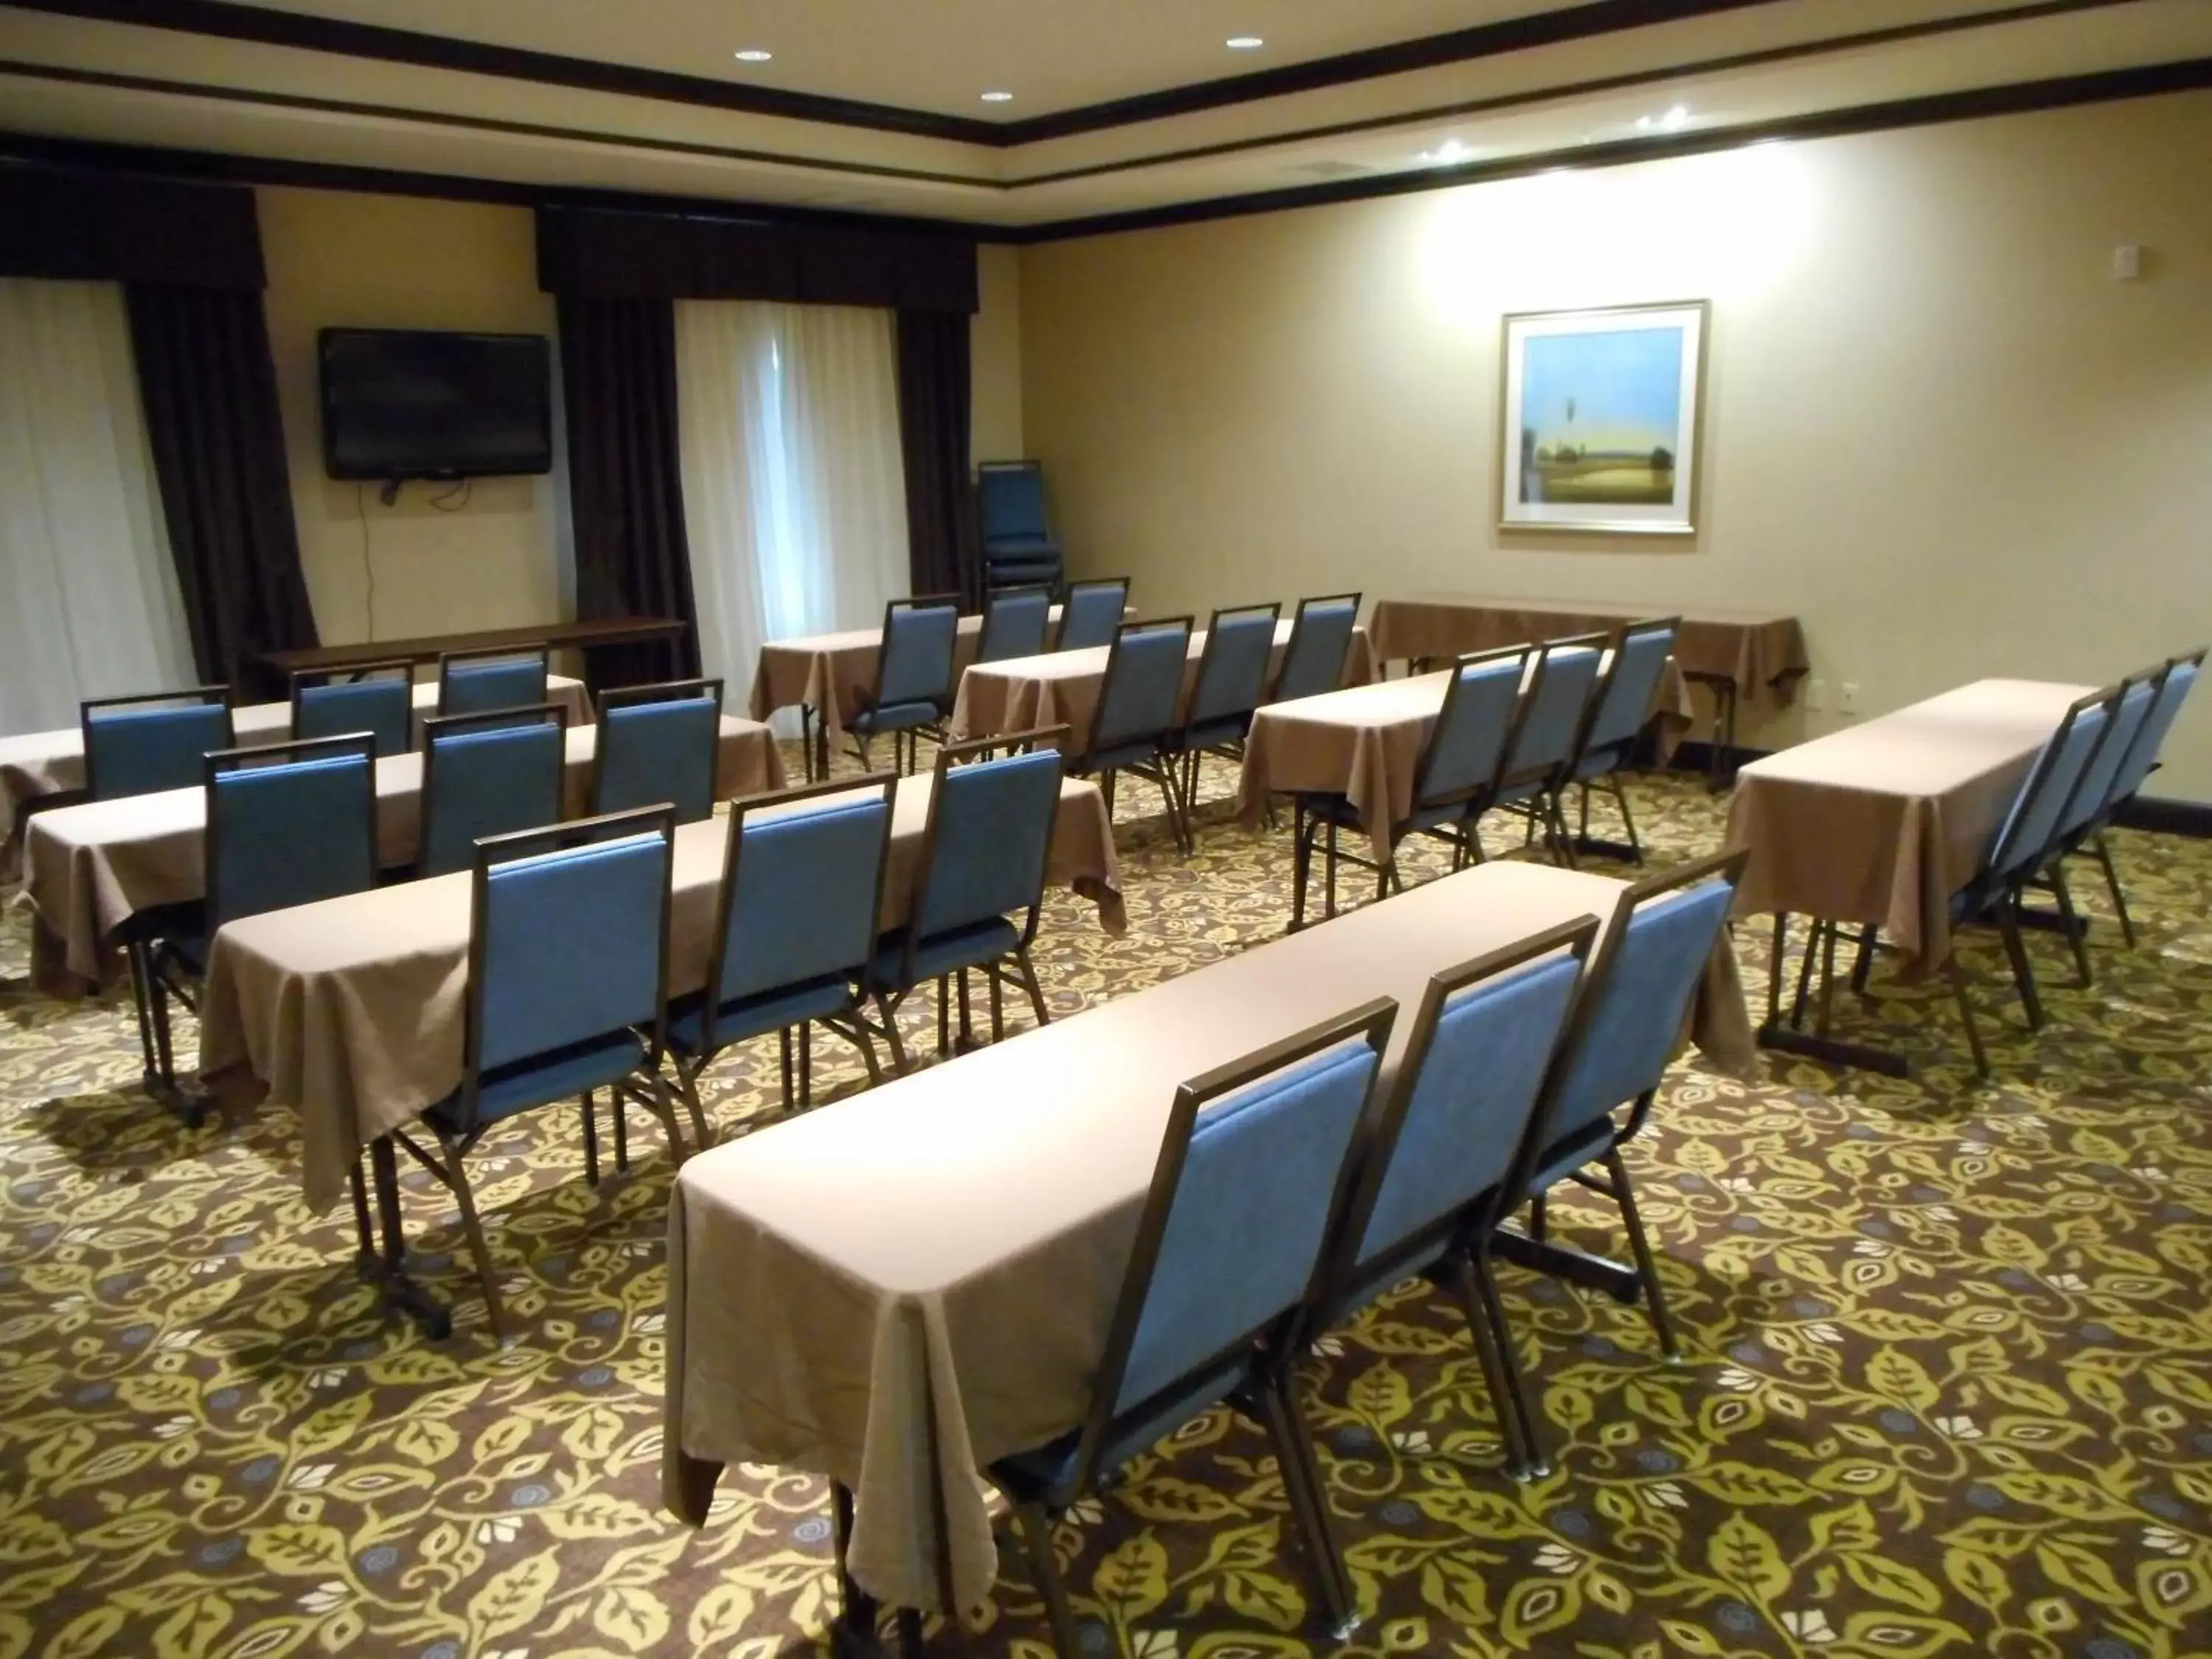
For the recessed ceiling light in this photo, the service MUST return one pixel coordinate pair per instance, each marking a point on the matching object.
(1676, 118)
(1447, 154)
(754, 55)
(998, 97)
(1244, 43)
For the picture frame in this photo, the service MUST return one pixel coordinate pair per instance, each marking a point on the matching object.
(1599, 419)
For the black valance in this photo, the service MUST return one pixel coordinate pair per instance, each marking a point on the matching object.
(621, 255)
(101, 228)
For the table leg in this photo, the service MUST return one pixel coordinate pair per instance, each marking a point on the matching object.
(395, 1289)
(806, 740)
(1791, 1036)
(1723, 770)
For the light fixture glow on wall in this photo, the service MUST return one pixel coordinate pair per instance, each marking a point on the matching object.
(998, 97)
(754, 55)
(1244, 43)
(1676, 118)
(1448, 154)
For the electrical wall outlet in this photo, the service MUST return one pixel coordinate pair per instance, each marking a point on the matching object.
(1816, 695)
(1850, 703)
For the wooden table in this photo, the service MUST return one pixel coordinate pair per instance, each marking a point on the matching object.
(1752, 657)
(1880, 824)
(903, 1287)
(590, 634)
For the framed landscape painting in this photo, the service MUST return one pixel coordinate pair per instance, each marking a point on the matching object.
(1599, 428)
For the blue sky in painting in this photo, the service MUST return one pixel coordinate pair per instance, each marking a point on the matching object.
(1626, 384)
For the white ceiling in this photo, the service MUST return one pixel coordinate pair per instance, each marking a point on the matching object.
(71, 78)
(940, 55)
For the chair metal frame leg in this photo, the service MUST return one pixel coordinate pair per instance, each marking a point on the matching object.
(1627, 817)
(1647, 1265)
(1301, 859)
(887, 1011)
(591, 1115)
(1518, 1456)
(448, 1169)
(1035, 1527)
(1304, 1486)
(1537, 1459)
(2072, 923)
(2023, 971)
(2103, 853)
(1031, 983)
(687, 1082)
(1957, 975)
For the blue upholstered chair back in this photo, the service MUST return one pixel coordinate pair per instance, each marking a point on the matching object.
(488, 781)
(293, 833)
(1015, 625)
(1091, 613)
(1629, 690)
(1249, 1215)
(1471, 728)
(2142, 754)
(993, 826)
(1470, 1105)
(137, 750)
(1233, 672)
(804, 903)
(1313, 662)
(478, 687)
(1143, 684)
(2093, 793)
(2032, 822)
(917, 661)
(651, 753)
(1554, 715)
(1012, 503)
(571, 951)
(383, 707)
(1641, 996)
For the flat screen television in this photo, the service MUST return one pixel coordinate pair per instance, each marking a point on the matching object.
(412, 404)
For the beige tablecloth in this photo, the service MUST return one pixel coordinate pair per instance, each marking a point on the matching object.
(1364, 744)
(1763, 654)
(1024, 693)
(898, 1290)
(352, 1010)
(89, 869)
(1882, 822)
(834, 674)
(41, 764)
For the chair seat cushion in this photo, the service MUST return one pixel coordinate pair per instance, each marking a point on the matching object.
(896, 717)
(564, 1073)
(1568, 1155)
(1141, 752)
(1211, 734)
(1048, 1474)
(962, 947)
(1607, 757)
(1020, 545)
(755, 1016)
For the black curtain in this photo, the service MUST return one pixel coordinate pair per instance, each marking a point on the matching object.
(209, 388)
(625, 478)
(934, 396)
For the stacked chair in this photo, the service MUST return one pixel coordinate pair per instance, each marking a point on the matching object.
(1613, 724)
(1019, 547)
(1563, 682)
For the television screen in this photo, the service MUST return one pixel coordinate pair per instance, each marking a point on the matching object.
(413, 405)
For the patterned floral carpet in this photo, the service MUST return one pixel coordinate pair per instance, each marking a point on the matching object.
(1946, 1383)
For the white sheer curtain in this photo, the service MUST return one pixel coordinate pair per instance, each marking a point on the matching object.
(88, 599)
(794, 493)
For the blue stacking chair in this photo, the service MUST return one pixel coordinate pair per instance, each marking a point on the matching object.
(376, 697)
(795, 928)
(1018, 544)
(1562, 684)
(288, 823)
(1133, 727)
(1092, 612)
(1456, 779)
(659, 742)
(488, 775)
(986, 848)
(2173, 681)
(137, 745)
(1618, 712)
(568, 991)
(1252, 1176)
(1433, 1171)
(1320, 639)
(1017, 623)
(2134, 699)
(1627, 1022)
(915, 677)
(1232, 680)
(479, 682)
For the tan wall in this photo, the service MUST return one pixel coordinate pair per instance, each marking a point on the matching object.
(1934, 427)
(343, 260)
